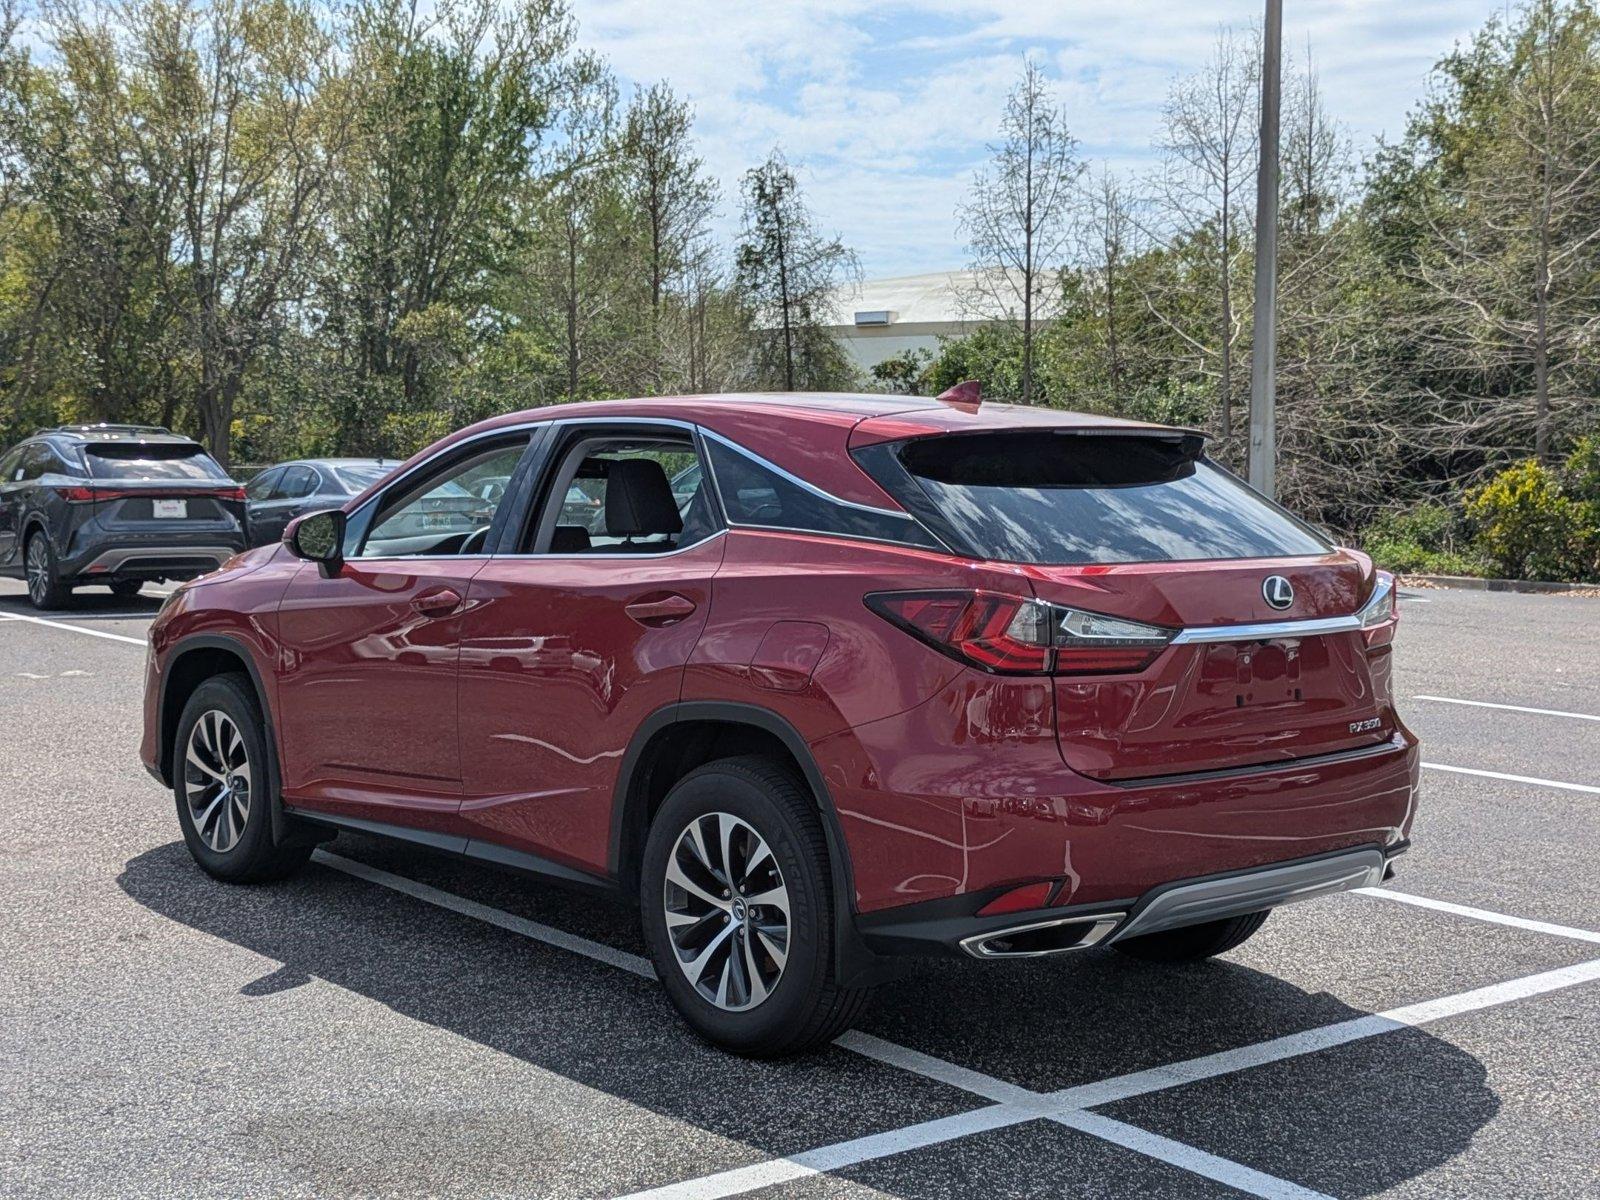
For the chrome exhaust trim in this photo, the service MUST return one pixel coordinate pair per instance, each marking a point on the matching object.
(1097, 928)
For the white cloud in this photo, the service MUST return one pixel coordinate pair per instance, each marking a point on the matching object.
(885, 107)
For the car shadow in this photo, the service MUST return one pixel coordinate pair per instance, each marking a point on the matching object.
(87, 606)
(1045, 1025)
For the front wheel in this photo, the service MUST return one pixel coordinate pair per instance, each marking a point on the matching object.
(737, 904)
(1193, 942)
(222, 786)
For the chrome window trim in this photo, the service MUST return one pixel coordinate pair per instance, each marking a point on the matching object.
(1265, 630)
(829, 497)
(581, 557)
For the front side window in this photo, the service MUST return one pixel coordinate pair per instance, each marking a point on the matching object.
(1067, 497)
(446, 511)
(297, 482)
(624, 494)
(165, 462)
(754, 493)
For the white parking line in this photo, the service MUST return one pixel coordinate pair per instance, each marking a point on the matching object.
(548, 934)
(1480, 914)
(1550, 783)
(1013, 1104)
(99, 633)
(1542, 712)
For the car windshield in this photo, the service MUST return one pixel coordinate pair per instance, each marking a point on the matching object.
(159, 462)
(1072, 498)
(358, 478)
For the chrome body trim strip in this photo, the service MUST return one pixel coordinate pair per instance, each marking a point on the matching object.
(110, 560)
(1263, 631)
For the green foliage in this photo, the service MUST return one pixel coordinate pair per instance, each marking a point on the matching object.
(902, 373)
(1533, 522)
(1420, 541)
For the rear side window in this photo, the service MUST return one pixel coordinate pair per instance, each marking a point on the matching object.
(134, 461)
(754, 493)
(1074, 498)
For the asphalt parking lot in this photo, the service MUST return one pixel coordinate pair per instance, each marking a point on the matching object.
(395, 1023)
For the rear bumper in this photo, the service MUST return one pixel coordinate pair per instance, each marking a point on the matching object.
(162, 557)
(940, 928)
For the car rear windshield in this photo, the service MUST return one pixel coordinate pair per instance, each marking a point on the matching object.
(1071, 497)
(133, 461)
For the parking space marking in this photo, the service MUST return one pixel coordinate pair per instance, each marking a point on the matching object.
(1542, 712)
(99, 633)
(1551, 783)
(1480, 914)
(1187, 1158)
(1011, 1103)
(548, 934)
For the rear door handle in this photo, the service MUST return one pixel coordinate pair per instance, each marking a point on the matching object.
(437, 603)
(661, 610)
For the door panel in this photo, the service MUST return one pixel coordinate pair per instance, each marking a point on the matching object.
(555, 678)
(367, 687)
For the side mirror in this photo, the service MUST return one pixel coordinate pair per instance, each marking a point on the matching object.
(317, 537)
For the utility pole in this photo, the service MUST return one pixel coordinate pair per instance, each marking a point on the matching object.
(1264, 356)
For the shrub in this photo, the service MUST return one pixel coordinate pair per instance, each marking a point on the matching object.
(1528, 527)
(1420, 541)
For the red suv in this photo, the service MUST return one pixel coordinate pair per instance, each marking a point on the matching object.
(821, 682)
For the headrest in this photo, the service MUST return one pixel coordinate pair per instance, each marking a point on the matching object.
(570, 539)
(639, 499)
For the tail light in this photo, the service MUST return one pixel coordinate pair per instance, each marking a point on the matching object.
(88, 495)
(1379, 614)
(1011, 635)
(78, 495)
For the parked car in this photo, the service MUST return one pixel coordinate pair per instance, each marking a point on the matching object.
(120, 505)
(887, 677)
(279, 493)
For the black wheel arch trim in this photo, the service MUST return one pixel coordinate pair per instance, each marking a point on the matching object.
(856, 965)
(239, 650)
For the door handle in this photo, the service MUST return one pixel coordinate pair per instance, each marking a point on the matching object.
(661, 610)
(436, 603)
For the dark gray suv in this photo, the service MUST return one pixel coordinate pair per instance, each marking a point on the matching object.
(119, 505)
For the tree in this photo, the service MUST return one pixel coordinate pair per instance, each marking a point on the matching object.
(789, 271)
(451, 109)
(1509, 266)
(1015, 219)
(667, 186)
(1210, 144)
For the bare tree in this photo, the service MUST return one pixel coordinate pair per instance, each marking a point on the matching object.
(1108, 236)
(1512, 268)
(667, 184)
(1015, 219)
(1210, 141)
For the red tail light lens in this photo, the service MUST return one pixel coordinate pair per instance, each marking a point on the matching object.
(78, 495)
(1010, 635)
(233, 493)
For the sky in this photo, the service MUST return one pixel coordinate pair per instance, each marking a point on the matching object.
(884, 108)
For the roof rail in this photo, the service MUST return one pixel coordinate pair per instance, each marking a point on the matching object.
(105, 427)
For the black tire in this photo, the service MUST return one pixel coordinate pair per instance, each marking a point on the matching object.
(126, 589)
(45, 589)
(1193, 942)
(250, 857)
(805, 1007)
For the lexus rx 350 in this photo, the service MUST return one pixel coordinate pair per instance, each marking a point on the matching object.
(827, 682)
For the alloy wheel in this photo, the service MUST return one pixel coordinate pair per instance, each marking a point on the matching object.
(38, 569)
(217, 780)
(727, 911)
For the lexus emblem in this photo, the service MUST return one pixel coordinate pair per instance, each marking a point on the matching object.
(1277, 591)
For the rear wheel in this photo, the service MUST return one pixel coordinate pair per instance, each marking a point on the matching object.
(45, 589)
(737, 904)
(126, 589)
(1193, 942)
(221, 782)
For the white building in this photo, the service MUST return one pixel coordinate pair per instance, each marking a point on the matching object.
(879, 318)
